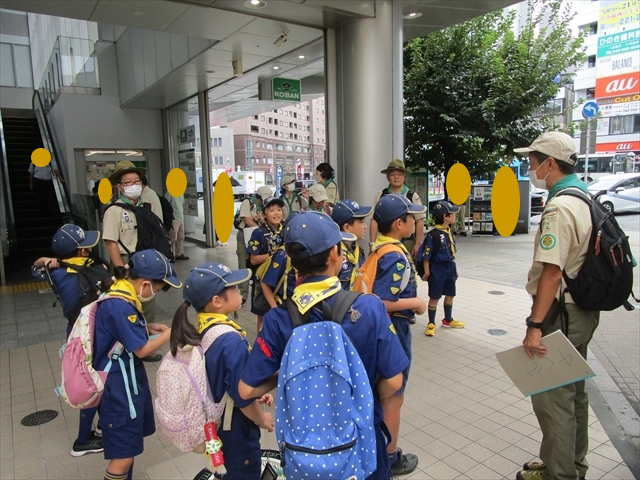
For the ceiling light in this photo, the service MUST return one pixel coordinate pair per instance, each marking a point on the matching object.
(276, 67)
(138, 13)
(301, 57)
(412, 15)
(282, 38)
(255, 4)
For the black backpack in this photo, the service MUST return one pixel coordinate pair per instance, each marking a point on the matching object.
(167, 213)
(409, 195)
(151, 231)
(435, 235)
(90, 284)
(605, 280)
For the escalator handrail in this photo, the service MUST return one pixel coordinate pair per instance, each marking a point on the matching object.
(47, 139)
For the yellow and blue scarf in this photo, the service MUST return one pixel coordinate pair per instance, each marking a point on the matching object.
(308, 294)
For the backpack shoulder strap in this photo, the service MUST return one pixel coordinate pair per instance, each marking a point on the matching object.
(344, 301)
(213, 334)
(385, 191)
(410, 195)
(577, 194)
(297, 319)
(387, 248)
(435, 236)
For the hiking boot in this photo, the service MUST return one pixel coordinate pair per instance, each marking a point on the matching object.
(92, 445)
(431, 330)
(452, 324)
(154, 357)
(529, 475)
(534, 466)
(406, 463)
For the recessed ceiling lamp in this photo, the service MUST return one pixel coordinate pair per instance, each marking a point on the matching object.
(301, 57)
(412, 15)
(275, 67)
(255, 4)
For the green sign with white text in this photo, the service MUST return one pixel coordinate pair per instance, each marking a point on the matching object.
(285, 89)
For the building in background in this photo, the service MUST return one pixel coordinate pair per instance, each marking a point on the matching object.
(292, 137)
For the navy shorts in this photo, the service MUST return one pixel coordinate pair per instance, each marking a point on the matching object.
(403, 330)
(442, 280)
(122, 436)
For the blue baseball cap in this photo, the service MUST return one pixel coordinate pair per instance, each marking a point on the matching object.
(393, 206)
(70, 238)
(316, 231)
(210, 279)
(345, 210)
(444, 206)
(153, 265)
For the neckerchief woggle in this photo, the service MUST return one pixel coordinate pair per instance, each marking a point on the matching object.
(308, 294)
(352, 257)
(448, 232)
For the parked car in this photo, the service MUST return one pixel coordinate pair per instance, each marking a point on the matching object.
(617, 193)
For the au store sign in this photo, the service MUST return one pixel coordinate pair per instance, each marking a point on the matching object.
(615, 109)
(286, 89)
(618, 85)
(617, 43)
(617, 147)
(619, 64)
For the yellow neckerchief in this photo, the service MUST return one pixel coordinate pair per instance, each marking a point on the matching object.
(384, 240)
(78, 261)
(276, 237)
(306, 295)
(123, 288)
(352, 257)
(447, 230)
(206, 319)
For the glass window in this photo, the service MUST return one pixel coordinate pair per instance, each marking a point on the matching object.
(591, 93)
(255, 128)
(624, 124)
(591, 61)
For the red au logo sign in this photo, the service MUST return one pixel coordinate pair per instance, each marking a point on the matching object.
(627, 84)
(617, 147)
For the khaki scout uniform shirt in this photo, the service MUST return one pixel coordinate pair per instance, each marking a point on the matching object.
(150, 196)
(120, 224)
(562, 239)
(416, 201)
(246, 210)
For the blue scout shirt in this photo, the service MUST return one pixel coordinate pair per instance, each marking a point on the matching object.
(225, 361)
(348, 266)
(275, 272)
(446, 252)
(396, 279)
(372, 335)
(66, 284)
(118, 320)
(259, 244)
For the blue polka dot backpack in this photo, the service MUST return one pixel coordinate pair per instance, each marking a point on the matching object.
(324, 407)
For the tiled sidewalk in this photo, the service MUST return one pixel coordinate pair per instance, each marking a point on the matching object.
(462, 416)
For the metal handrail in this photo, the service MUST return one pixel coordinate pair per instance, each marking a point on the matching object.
(62, 193)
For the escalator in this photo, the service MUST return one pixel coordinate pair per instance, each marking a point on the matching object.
(34, 226)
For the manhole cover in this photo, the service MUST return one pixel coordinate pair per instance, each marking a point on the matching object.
(497, 332)
(38, 418)
(496, 292)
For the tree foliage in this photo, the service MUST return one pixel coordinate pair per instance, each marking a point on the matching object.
(471, 90)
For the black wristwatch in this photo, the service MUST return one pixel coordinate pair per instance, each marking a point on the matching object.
(531, 324)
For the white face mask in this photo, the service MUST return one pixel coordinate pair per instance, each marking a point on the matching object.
(146, 299)
(319, 178)
(133, 191)
(290, 187)
(538, 182)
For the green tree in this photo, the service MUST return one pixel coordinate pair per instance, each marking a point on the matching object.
(471, 90)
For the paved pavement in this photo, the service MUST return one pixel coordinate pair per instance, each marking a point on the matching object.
(462, 415)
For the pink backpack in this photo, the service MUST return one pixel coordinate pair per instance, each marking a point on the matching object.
(184, 402)
(82, 386)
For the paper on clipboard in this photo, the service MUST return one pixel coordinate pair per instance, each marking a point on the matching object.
(561, 366)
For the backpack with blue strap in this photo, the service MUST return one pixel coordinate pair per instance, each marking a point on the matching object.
(324, 408)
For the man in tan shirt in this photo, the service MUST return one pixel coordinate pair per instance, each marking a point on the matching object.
(396, 174)
(561, 243)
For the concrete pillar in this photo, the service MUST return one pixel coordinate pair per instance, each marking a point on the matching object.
(364, 99)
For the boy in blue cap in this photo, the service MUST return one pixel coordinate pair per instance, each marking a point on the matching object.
(349, 216)
(126, 409)
(438, 255)
(73, 245)
(312, 240)
(212, 289)
(396, 285)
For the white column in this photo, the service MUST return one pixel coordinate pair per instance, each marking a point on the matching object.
(364, 99)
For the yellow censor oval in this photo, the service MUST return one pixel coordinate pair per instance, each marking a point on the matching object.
(176, 182)
(105, 190)
(223, 207)
(505, 201)
(458, 184)
(40, 157)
